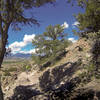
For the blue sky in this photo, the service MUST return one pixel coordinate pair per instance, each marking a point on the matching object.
(20, 41)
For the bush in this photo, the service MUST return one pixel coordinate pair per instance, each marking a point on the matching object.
(26, 67)
(12, 69)
(7, 73)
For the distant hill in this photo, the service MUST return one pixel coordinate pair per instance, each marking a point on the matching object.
(18, 55)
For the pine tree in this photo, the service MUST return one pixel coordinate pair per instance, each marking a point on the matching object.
(90, 20)
(50, 44)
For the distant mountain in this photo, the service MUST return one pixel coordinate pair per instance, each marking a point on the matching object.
(18, 55)
(21, 55)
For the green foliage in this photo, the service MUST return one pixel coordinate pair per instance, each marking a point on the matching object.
(13, 11)
(89, 20)
(88, 74)
(50, 44)
(94, 35)
(26, 67)
(12, 69)
(7, 73)
(96, 50)
(9, 70)
(90, 68)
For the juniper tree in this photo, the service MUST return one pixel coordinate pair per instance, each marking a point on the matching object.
(12, 13)
(89, 20)
(50, 44)
(89, 25)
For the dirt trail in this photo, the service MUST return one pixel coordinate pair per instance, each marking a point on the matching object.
(25, 79)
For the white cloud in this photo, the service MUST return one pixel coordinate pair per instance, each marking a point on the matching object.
(28, 38)
(75, 23)
(72, 39)
(15, 50)
(65, 25)
(17, 46)
(28, 52)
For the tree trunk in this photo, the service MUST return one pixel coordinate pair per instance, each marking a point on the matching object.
(2, 53)
(1, 93)
(3, 41)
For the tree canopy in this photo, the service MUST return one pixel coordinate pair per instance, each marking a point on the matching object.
(13, 11)
(89, 20)
(50, 44)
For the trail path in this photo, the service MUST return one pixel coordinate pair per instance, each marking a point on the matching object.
(24, 79)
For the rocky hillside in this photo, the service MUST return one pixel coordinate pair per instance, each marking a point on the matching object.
(68, 79)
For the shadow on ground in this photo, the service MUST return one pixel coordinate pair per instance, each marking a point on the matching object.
(24, 93)
(52, 89)
(52, 79)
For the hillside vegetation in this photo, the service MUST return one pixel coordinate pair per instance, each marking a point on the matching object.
(68, 79)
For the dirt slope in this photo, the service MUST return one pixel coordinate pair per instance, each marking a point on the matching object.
(68, 68)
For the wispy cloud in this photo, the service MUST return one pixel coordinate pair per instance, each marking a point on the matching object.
(75, 23)
(72, 39)
(17, 46)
